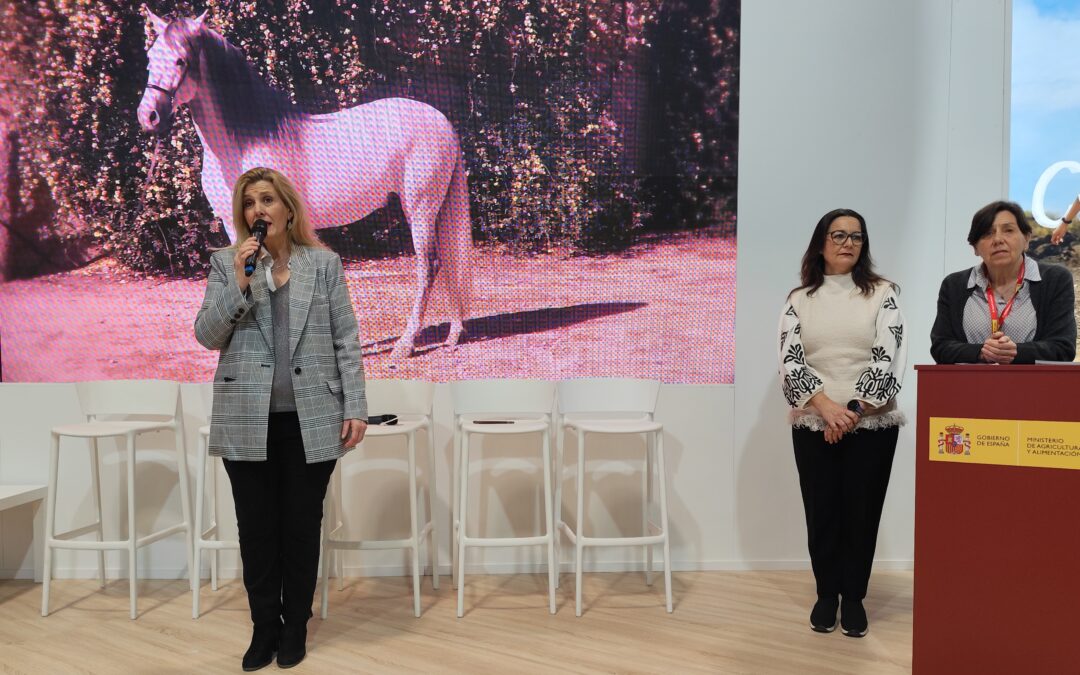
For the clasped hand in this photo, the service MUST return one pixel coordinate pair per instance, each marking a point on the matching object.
(998, 348)
(838, 419)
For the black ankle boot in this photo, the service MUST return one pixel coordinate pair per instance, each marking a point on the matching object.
(853, 620)
(823, 616)
(264, 642)
(293, 645)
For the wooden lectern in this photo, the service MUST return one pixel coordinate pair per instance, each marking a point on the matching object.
(997, 547)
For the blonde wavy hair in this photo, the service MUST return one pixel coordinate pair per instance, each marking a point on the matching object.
(300, 232)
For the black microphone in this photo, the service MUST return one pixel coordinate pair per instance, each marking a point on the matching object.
(258, 230)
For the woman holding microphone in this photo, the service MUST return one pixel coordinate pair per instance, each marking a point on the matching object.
(288, 400)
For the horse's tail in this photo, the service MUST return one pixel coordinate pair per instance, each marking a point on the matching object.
(454, 239)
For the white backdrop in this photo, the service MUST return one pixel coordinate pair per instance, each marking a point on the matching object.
(896, 109)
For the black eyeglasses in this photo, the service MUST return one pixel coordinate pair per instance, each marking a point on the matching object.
(839, 237)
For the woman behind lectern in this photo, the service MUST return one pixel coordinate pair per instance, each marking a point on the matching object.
(842, 357)
(1009, 308)
(288, 400)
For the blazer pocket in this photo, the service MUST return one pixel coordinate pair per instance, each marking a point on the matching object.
(335, 387)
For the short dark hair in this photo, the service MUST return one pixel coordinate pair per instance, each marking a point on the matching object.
(983, 219)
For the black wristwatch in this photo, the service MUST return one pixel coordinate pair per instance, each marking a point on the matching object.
(1067, 222)
(855, 406)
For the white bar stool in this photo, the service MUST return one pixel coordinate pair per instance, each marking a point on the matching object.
(500, 408)
(614, 407)
(208, 538)
(142, 398)
(411, 401)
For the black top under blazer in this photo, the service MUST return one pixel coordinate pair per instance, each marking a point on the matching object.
(325, 355)
(1055, 330)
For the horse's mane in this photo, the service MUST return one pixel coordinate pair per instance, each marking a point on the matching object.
(251, 109)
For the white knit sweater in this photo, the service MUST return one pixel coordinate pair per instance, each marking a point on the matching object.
(846, 344)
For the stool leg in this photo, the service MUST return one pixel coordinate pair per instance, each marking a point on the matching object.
(338, 559)
(324, 564)
(648, 490)
(549, 519)
(216, 553)
(455, 490)
(200, 486)
(50, 523)
(185, 502)
(433, 545)
(557, 476)
(664, 515)
(131, 540)
(463, 489)
(580, 529)
(415, 532)
(95, 488)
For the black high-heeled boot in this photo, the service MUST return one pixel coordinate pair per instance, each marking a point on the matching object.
(264, 643)
(293, 645)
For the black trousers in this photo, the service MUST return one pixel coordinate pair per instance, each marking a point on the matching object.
(843, 491)
(279, 513)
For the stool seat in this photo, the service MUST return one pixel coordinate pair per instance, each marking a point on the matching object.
(614, 426)
(497, 426)
(109, 428)
(385, 430)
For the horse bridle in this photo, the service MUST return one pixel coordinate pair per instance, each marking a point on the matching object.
(171, 93)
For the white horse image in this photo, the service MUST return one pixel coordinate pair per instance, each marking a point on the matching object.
(346, 164)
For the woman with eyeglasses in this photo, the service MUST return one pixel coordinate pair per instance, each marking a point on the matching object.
(1009, 308)
(842, 357)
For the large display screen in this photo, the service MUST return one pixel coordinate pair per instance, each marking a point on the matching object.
(1044, 152)
(559, 176)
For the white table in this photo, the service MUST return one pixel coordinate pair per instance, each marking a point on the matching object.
(17, 495)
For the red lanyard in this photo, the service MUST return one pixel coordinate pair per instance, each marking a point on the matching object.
(996, 320)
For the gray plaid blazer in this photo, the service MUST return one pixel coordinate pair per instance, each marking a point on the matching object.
(328, 374)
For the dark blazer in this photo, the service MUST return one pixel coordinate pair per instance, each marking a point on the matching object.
(1055, 331)
(327, 371)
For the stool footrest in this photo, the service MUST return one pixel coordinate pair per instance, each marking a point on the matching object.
(207, 544)
(88, 545)
(622, 541)
(370, 544)
(507, 541)
(612, 541)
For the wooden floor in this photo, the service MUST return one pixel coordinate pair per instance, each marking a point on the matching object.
(724, 622)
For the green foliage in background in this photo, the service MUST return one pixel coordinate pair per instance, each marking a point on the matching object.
(584, 123)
